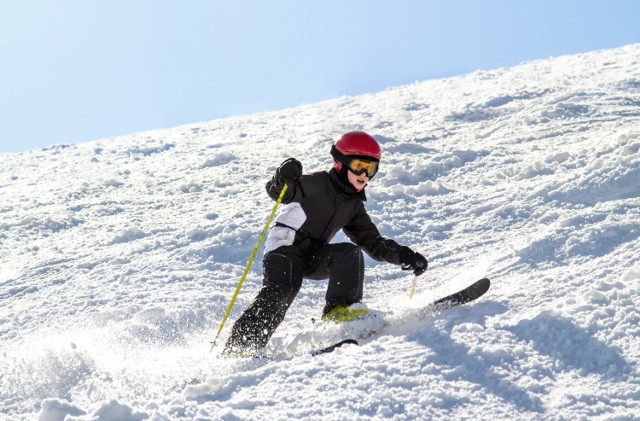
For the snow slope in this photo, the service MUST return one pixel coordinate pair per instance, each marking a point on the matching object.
(118, 259)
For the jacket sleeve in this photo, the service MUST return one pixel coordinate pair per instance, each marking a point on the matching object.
(362, 231)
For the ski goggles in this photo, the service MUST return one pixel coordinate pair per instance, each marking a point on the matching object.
(360, 166)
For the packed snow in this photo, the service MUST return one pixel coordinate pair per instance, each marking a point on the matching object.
(119, 258)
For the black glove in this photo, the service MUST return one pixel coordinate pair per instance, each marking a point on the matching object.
(409, 259)
(289, 171)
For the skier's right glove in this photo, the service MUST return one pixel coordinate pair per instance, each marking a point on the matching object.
(409, 259)
(289, 171)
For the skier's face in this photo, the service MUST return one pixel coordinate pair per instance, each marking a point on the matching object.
(357, 181)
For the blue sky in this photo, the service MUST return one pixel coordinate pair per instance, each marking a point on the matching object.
(79, 70)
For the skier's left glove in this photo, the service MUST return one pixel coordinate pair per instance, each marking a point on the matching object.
(409, 259)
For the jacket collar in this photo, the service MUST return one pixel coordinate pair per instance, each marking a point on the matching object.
(345, 188)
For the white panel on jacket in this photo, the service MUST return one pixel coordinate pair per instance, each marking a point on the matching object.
(293, 216)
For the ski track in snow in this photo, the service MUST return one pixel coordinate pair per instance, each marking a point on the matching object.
(119, 257)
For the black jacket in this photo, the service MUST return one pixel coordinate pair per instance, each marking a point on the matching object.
(320, 205)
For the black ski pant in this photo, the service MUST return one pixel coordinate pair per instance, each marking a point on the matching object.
(284, 269)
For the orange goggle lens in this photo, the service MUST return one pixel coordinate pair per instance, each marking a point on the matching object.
(360, 166)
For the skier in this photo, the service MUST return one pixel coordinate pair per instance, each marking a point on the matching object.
(298, 246)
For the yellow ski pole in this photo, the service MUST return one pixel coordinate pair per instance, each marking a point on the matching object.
(246, 269)
(413, 287)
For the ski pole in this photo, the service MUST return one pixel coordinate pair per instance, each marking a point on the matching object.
(246, 269)
(413, 287)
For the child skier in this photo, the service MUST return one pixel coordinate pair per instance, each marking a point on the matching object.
(319, 205)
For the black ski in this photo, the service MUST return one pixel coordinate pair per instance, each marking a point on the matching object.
(466, 295)
(333, 347)
(470, 293)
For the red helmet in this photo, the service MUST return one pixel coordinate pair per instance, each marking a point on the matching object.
(358, 144)
(357, 151)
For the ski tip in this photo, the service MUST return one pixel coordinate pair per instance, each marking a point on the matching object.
(484, 282)
(482, 285)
